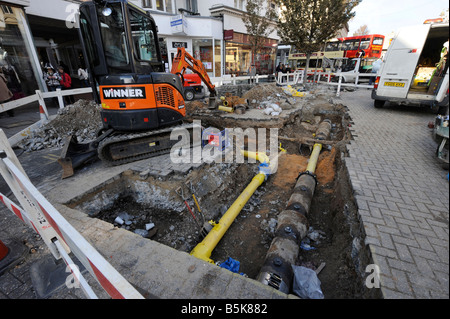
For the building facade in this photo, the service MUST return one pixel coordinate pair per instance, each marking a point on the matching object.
(34, 33)
(212, 31)
(18, 56)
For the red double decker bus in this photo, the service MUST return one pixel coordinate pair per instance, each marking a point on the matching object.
(372, 45)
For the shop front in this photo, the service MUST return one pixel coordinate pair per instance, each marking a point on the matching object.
(207, 50)
(18, 58)
(239, 56)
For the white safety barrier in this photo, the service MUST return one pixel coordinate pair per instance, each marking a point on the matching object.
(39, 96)
(290, 78)
(57, 233)
(233, 79)
(337, 80)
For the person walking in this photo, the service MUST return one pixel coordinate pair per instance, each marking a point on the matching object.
(83, 76)
(5, 93)
(66, 84)
(52, 79)
(375, 68)
(252, 74)
(277, 70)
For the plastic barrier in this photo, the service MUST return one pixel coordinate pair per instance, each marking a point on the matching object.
(290, 78)
(39, 97)
(61, 237)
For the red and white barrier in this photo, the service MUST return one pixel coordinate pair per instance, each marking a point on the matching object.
(61, 237)
(17, 211)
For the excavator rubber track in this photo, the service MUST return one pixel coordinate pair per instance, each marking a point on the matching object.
(122, 148)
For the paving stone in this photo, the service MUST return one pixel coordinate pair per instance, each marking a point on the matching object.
(402, 196)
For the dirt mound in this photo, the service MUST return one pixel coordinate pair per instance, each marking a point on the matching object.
(262, 91)
(81, 119)
(193, 106)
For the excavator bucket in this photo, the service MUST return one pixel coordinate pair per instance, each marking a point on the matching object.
(212, 103)
(75, 155)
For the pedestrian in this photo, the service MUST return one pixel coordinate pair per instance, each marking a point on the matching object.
(66, 84)
(278, 70)
(375, 68)
(283, 70)
(5, 93)
(252, 74)
(83, 75)
(52, 79)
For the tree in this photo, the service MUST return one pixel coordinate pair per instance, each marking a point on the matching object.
(308, 24)
(362, 30)
(258, 19)
(444, 15)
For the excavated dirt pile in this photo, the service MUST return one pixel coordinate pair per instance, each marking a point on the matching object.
(81, 119)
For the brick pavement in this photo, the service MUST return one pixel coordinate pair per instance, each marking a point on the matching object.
(402, 194)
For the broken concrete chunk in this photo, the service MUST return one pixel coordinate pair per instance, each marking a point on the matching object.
(141, 232)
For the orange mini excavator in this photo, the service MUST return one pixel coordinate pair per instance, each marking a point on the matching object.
(182, 61)
(140, 103)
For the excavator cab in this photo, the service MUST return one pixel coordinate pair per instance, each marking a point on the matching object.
(122, 49)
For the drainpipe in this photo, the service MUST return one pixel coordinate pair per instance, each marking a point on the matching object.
(292, 224)
(204, 249)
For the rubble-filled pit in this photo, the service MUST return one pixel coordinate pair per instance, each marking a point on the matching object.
(335, 237)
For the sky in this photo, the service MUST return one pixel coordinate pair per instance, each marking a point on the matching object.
(386, 16)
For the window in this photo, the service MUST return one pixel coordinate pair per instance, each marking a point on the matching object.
(160, 5)
(365, 43)
(7, 9)
(114, 40)
(239, 4)
(169, 6)
(191, 5)
(203, 51)
(377, 41)
(147, 4)
(332, 46)
(143, 37)
(351, 45)
(86, 30)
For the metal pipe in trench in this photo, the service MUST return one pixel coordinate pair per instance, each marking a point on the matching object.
(292, 224)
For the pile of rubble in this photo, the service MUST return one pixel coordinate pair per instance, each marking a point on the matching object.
(81, 119)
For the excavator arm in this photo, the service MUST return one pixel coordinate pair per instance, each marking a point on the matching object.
(182, 61)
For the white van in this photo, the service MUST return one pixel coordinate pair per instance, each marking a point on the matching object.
(413, 71)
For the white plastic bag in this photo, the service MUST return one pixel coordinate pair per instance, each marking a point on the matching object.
(306, 284)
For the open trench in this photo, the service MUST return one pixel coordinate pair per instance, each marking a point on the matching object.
(334, 238)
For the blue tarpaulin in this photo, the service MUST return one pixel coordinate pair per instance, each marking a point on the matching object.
(232, 265)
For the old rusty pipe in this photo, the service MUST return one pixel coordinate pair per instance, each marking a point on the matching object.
(292, 224)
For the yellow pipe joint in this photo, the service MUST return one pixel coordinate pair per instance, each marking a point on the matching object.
(259, 156)
(314, 158)
(225, 109)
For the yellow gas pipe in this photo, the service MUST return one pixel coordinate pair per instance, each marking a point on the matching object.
(204, 249)
(225, 109)
(312, 163)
